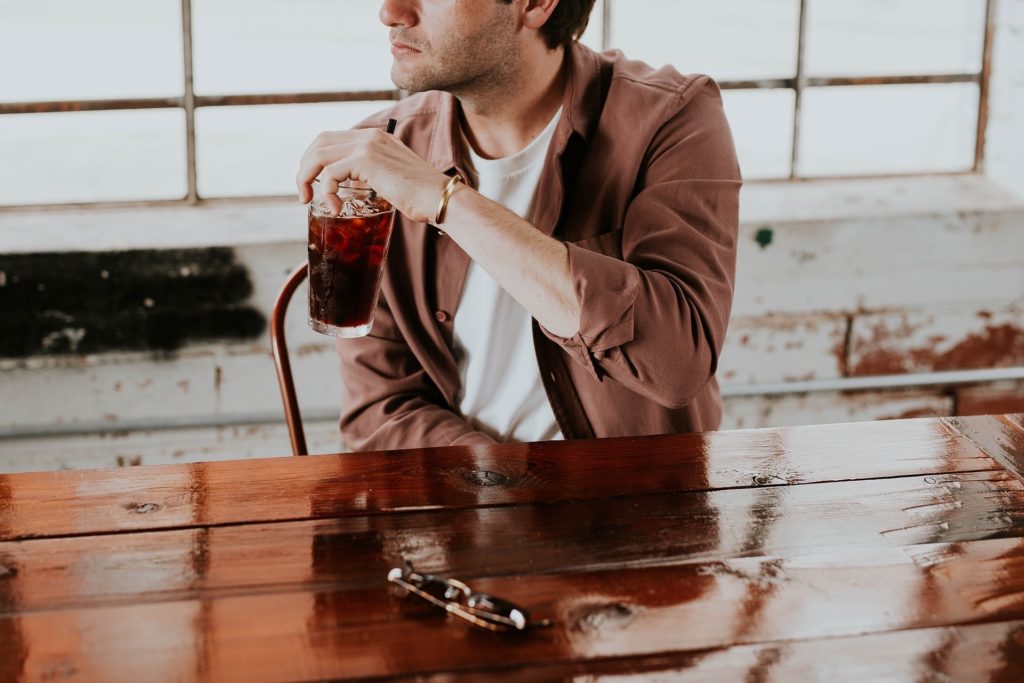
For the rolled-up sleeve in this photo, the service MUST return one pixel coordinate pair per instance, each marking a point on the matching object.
(655, 320)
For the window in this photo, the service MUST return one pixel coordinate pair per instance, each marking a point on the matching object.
(177, 100)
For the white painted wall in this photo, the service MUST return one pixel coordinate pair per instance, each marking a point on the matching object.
(845, 255)
(1005, 141)
(924, 244)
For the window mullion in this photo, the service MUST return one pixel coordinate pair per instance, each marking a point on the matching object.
(606, 24)
(799, 83)
(983, 85)
(189, 101)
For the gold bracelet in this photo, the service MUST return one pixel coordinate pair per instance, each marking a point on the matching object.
(449, 190)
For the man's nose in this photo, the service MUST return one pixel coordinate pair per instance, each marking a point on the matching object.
(398, 13)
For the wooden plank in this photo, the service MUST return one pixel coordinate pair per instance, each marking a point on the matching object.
(974, 652)
(1001, 436)
(908, 262)
(204, 494)
(992, 399)
(648, 530)
(834, 406)
(686, 608)
(106, 450)
(783, 348)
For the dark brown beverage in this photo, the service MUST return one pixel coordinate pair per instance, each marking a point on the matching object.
(346, 259)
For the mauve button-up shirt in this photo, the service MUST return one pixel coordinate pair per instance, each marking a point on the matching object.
(641, 182)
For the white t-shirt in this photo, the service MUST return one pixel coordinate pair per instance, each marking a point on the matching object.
(502, 394)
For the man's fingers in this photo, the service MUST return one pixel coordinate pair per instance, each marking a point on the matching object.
(331, 178)
(312, 165)
(329, 137)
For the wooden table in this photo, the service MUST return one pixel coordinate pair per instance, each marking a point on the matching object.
(887, 551)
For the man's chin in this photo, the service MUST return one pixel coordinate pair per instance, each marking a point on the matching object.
(405, 79)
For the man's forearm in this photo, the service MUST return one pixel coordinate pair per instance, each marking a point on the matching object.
(383, 426)
(531, 266)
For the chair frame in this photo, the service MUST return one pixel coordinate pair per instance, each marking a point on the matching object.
(279, 351)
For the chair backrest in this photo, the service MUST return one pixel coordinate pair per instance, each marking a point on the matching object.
(279, 350)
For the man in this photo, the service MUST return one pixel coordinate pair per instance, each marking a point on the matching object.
(581, 280)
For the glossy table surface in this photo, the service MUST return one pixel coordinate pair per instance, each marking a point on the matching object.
(884, 551)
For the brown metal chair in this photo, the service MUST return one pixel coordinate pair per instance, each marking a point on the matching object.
(279, 350)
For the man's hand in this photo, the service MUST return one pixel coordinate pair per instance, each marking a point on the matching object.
(529, 265)
(381, 161)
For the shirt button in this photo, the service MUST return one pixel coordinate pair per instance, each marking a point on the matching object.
(442, 316)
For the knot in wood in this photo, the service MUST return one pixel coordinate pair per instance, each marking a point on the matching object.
(486, 478)
(594, 618)
(143, 508)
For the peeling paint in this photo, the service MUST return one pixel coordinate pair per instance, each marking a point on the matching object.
(926, 411)
(779, 348)
(313, 349)
(841, 349)
(886, 353)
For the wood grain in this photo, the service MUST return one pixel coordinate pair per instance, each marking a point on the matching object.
(878, 551)
(690, 607)
(216, 493)
(585, 535)
(976, 652)
(1001, 436)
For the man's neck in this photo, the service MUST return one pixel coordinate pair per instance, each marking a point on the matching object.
(506, 119)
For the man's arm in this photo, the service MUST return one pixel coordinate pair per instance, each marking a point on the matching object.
(390, 402)
(654, 321)
(532, 267)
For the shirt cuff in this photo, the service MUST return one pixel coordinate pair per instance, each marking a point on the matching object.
(606, 289)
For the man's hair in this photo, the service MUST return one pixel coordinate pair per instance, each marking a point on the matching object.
(566, 23)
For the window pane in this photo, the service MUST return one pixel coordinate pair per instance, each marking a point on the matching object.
(69, 49)
(727, 39)
(255, 150)
(93, 156)
(241, 46)
(894, 37)
(888, 129)
(592, 36)
(762, 127)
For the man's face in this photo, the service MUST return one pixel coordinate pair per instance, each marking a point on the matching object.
(450, 45)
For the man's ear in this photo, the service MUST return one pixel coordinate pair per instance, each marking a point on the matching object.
(537, 12)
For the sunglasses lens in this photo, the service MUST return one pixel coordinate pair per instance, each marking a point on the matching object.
(497, 610)
(434, 587)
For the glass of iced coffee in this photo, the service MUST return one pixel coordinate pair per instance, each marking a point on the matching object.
(346, 259)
